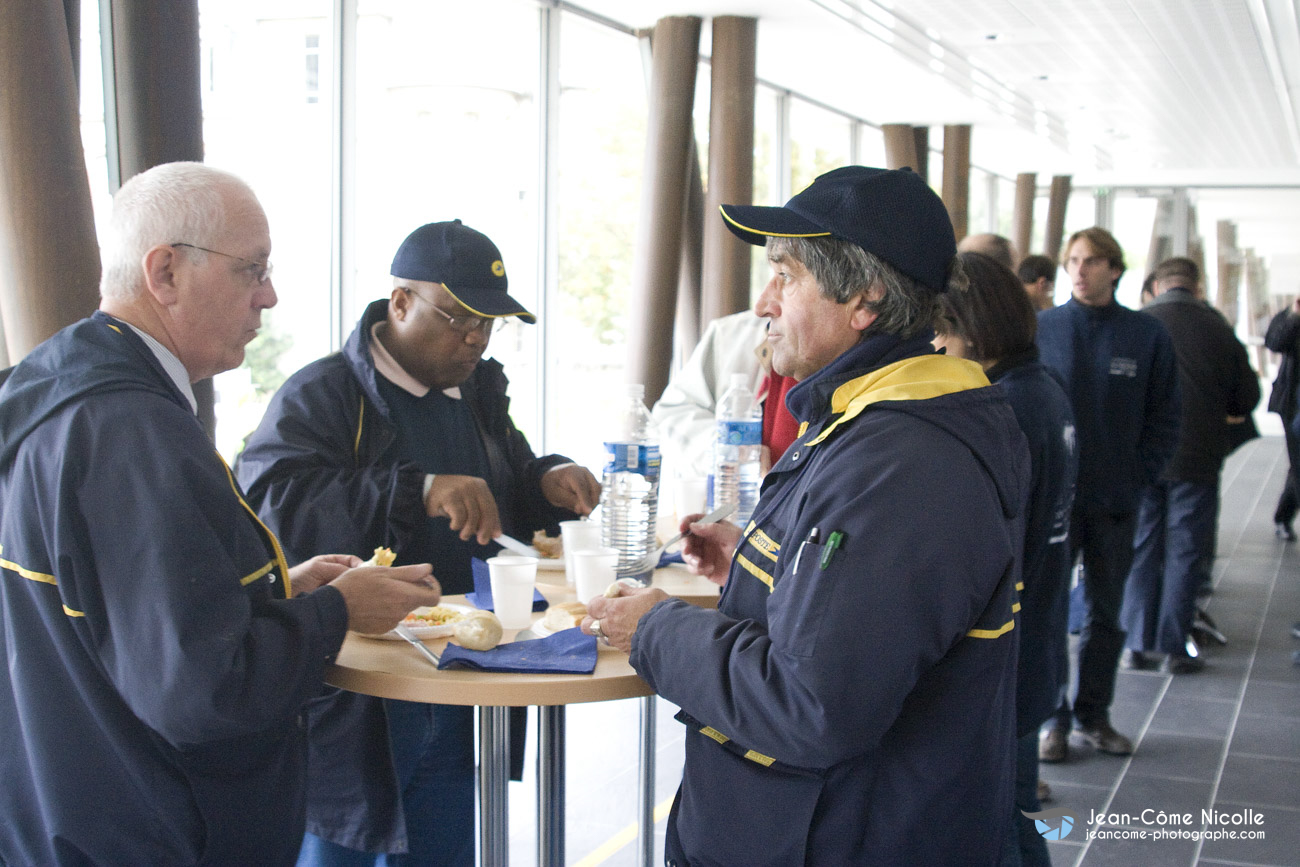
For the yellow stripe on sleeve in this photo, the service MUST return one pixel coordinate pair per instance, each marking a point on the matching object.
(253, 576)
(765, 761)
(993, 633)
(755, 571)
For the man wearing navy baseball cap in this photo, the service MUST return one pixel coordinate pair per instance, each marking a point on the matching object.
(852, 698)
(404, 440)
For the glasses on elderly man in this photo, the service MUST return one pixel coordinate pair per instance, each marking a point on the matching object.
(260, 271)
(464, 323)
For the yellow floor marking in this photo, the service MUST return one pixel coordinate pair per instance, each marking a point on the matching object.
(610, 847)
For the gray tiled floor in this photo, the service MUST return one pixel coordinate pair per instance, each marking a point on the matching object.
(1226, 738)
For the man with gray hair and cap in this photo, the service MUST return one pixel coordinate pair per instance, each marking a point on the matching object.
(852, 698)
(404, 440)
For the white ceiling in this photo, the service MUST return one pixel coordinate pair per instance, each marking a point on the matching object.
(1147, 93)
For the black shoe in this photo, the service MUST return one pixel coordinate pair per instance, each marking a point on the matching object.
(1136, 660)
(1106, 740)
(1284, 532)
(1181, 663)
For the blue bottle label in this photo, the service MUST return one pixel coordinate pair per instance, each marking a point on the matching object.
(740, 433)
(633, 458)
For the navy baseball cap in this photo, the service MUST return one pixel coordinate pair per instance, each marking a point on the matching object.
(465, 262)
(890, 213)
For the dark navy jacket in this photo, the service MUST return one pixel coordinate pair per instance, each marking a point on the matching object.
(1118, 369)
(856, 704)
(321, 470)
(1044, 415)
(151, 672)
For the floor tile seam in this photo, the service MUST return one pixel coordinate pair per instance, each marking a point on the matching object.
(1295, 760)
(1128, 760)
(1277, 716)
(1239, 863)
(1241, 697)
(1282, 807)
(1178, 734)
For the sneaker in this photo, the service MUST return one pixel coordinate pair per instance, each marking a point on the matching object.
(1284, 532)
(1044, 792)
(1182, 663)
(1136, 660)
(1052, 744)
(1106, 740)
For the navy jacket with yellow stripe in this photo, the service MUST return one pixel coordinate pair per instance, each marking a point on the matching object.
(855, 703)
(151, 671)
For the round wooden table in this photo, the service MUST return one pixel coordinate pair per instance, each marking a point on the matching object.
(393, 669)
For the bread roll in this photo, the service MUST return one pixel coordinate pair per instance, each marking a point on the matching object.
(564, 615)
(478, 630)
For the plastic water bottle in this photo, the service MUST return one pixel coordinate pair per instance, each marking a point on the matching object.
(737, 451)
(630, 497)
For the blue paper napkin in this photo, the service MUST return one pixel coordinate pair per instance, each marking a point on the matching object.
(566, 652)
(482, 595)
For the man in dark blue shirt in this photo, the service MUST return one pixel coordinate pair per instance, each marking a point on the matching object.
(1118, 368)
(404, 439)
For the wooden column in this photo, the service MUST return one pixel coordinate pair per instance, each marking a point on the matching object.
(921, 138)
(900, 146)
(956, 176)
(153, 111)
(686, 326)
(49, 255)
(1022, 219)
(1229, 269)
(1056, 203)
(675, 49)
(731, 165)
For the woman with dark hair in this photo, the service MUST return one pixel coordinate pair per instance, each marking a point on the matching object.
(993, 324)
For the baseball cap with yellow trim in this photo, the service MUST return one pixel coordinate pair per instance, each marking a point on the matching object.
(890, 213)
(465, 262)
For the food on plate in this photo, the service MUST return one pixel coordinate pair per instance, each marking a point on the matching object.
(438, 615)
(550, 547)
(383, 557)
(564, 615)
(478, 630)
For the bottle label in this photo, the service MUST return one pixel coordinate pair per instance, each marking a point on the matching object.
(740, 433)
(633, 458)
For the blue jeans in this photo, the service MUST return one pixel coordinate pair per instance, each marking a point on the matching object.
(1175, 536)
(1026, 847)
(433, 753)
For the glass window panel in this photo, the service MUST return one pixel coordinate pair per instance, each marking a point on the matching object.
(447, 128)
(258, 124)
(602, 129)
(819, 142)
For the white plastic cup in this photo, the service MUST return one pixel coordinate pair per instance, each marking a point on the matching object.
(593, 571)
(513, 579)
(577, 536)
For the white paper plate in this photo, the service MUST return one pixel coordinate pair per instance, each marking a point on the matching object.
(427, 631)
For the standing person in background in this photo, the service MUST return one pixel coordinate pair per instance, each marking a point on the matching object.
(1283, 337)
(156, 650)
(685, 412)
(1177, 513)
(993, 324)
(1120, 373)
(1038, 275)
(404, 439)
(996, 247)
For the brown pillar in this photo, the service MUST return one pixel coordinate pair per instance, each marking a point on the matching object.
(1022, 219)
(731, 165)
(1229, 267)
(675, 49)
(49, 256)
(686, 328)
(921, 140)
(956, 176)
(1056, 202)
(900, 146)
(155, 114)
